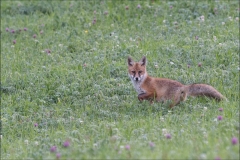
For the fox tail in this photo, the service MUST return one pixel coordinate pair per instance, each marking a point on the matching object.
(204, 90)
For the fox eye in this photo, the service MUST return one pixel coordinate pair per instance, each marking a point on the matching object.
(133, 72)
(139, 72)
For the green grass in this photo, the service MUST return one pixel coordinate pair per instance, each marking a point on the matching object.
(81, 91)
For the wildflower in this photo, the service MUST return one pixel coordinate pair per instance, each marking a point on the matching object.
(164, 21)
(164, 131)
(138, 6)
(217, 158)
(234, 140)
(86, 31)
(126, 7)
(35, 125)
(220, 109)
(170, 7)
(127, 147)
(196, 37)
(12, 31)
(237, 18)
(171, 63)
(0, 136)
(121, 147)
(26, 142)
(151, 144)
(66, 143)
(14, 41)
(94, 21)
(188, 66)
(60, 45)
(219, 118)
(202, 18)
(36, 143)
(106, 12)
(53, 149)
(214, 38)
(199, 64)
(223, 23)
(230, 18)
(168, 136)
(205, 108)
(41, 32)
(25, 29)
(203, 156)
(48, 51)
(58, 155)
(7, 29)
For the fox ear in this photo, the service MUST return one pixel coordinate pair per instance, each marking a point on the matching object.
(143, 61)
(130, 61)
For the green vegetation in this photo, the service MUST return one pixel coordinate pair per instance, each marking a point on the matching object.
(64, 79)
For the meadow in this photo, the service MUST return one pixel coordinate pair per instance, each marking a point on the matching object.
(65, 90)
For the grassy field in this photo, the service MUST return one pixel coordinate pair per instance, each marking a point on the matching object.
(65, 90)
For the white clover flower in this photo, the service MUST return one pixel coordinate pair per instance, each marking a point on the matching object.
(214, 38)
(203, 156)
(26, 142)
(164, 131)
(205, 108)
(164, 21)
(36, 143)
(223, 23)
(95, 145)
(171, 63)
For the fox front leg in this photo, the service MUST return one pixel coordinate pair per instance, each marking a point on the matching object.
(146, 96)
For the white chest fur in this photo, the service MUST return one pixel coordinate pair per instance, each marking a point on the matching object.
(137, 84)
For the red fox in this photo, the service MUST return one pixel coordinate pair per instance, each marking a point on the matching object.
(162, 89)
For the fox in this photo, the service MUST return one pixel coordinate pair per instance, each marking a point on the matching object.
(163, 89)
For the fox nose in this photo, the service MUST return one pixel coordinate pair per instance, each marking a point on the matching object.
(136, 78)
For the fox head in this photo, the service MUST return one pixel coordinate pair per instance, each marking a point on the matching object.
(137, 70)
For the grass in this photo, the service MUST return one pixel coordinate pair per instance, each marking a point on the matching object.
(64, 78)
